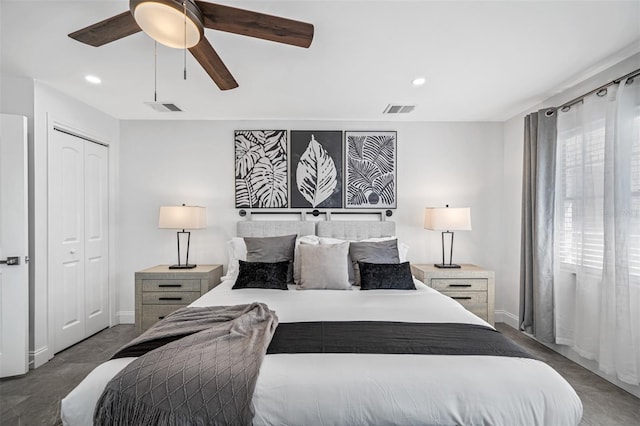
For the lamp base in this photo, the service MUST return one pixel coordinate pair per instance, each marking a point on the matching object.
(447, 266)
(182, 266)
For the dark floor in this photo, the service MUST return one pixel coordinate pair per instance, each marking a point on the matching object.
(34, 399)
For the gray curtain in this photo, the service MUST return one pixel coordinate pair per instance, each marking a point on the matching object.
(536, 263)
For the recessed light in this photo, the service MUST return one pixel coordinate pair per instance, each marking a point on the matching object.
(419, 81)
(92, 79)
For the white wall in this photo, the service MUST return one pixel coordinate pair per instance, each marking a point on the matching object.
(192, 162)
(52, 106)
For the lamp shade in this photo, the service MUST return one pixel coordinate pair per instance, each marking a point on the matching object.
(447, 219)
(182, 217)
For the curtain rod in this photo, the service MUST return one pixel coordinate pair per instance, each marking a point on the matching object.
(611, 83)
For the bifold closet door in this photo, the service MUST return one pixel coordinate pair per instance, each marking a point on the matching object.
(78, 243)
(96, 237)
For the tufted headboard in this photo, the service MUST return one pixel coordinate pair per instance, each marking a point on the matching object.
(344, 229)
(274, 228)
(355, 229)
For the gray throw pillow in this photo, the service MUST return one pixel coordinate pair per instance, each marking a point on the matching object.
(272, 249)
(373, 252)
(324, 266)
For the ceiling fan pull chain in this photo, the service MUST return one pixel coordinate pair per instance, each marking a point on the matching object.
(155, 71)
(184, 6)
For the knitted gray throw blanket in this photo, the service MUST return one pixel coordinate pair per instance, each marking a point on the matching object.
(205, 378)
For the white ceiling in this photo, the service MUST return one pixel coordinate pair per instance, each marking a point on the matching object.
(483, 61)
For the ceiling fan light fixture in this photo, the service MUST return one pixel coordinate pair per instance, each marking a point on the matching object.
(164, 21)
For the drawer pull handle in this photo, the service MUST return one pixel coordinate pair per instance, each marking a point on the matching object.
(169, 298)
(459, 285)
(170, 285)
(160, 317)
(461, 297)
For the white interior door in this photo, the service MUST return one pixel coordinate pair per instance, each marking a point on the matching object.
(14, 240)
(96, 196)
(66, 238)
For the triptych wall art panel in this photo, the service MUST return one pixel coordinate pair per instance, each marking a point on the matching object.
(261, 168)
(371, 169)
(314, 171)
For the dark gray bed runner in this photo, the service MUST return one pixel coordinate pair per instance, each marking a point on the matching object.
(205, 378)
(381, 337)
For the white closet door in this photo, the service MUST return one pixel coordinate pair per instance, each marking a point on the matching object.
(96, 225)
(66, 238)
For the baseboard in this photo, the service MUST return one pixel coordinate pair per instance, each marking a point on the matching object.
(125, 317)
(38, 357)
(507, 318)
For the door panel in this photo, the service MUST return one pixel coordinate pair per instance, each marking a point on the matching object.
(66, 230)
(14, 279)
(96, 189)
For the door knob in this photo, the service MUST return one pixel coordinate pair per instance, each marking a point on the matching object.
(14, 260)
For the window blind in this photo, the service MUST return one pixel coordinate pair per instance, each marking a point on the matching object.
(581, 168)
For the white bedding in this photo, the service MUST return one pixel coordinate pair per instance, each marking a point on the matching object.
(367, 389)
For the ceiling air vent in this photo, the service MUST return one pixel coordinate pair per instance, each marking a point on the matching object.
(163, 106)
(398, 109)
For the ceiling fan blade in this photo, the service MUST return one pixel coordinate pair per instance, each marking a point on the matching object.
(254, 24)
(106, 31)
(213, 65)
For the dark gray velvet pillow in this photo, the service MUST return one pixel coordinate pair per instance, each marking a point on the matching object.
(272, 249)
(262, 275)
(386, 276)
(373, 252)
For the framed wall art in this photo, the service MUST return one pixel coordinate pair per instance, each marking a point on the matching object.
(370, 176)
(261, 168)
(316, 169)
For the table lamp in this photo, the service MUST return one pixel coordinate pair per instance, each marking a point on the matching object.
(447, 220)
(182, 217)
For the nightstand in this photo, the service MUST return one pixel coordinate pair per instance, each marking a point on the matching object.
(160, 290)
(470, 285)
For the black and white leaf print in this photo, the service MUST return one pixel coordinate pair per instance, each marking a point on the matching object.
(316, 174)
(380, 150)
(248, 151)
(356, 196)
(371, 167)
(270, 181)
(274, 143)
(355, 145)
(261, 168)
(244, 196)
(384, 187)
(362, 173)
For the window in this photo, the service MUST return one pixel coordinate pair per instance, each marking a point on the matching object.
(580, 201)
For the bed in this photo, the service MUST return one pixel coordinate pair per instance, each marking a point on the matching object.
(371, 388)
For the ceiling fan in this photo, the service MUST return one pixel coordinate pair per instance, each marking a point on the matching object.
(181, 23)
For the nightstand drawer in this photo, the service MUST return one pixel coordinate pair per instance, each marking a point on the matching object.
(161, 290)
(470, 285)
(169, 297)
(468, 298)
(171, 285)
(455, 284)
(154, 313)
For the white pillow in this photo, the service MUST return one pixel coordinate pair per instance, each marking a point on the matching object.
(236, 250)
(324, 266)
(305, 239)
(403, 250)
